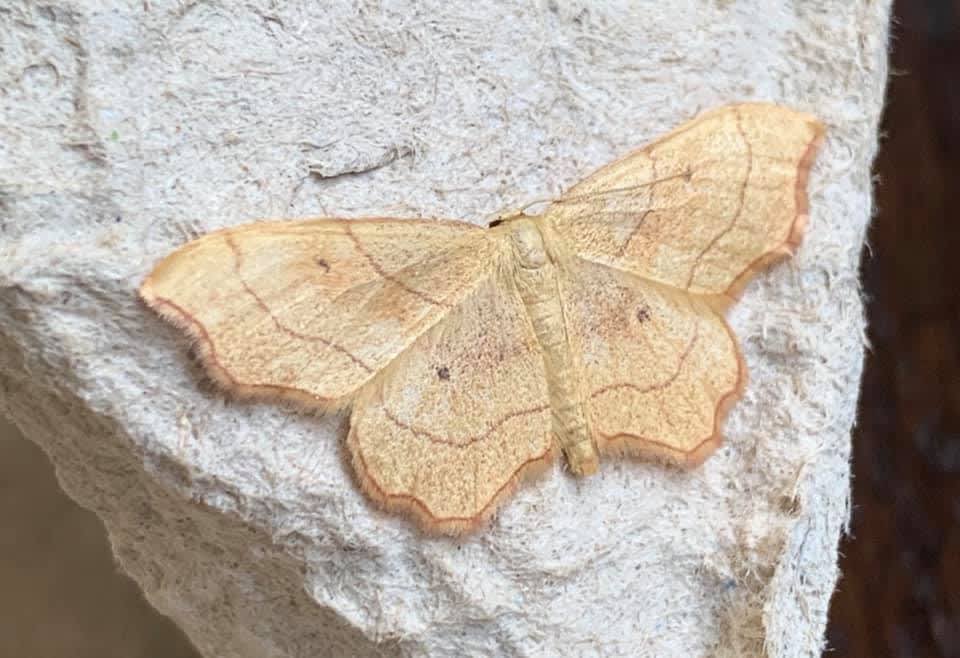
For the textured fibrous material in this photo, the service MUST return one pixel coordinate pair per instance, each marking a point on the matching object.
(471, 356)
(131, 128)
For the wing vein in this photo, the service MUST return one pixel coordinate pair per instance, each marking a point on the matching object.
(698, 261)
(238, 263)
(378, 268)
(464, 443)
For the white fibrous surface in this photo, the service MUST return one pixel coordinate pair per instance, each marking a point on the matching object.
(128, 128)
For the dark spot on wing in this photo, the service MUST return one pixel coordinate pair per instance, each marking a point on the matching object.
(443, 373)
(643, 314)
(322, 263)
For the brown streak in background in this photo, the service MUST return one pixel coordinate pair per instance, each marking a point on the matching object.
(899, 593)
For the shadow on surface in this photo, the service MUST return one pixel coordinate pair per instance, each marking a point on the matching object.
(62, 595)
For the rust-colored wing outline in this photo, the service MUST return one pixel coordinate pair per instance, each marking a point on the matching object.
(334, 309)
(617, 203)
(645, 213)
(649, 352)
(328, 271)
(458, 421)
(410, 505)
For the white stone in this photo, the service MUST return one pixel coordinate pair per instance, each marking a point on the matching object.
(127, 128)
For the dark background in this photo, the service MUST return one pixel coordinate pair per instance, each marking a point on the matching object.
(899, 593)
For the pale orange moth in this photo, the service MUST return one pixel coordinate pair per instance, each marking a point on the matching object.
(472, 357)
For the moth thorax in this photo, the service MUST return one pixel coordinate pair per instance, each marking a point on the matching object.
(528, 244)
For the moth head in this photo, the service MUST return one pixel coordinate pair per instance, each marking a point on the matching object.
(528, 244)
(504, 217)
(517, 213)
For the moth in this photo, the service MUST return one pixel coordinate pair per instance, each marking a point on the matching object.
(470, 357)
